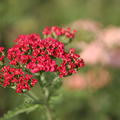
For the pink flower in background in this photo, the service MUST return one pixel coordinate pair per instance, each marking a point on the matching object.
(94, 53)
(110, 36)
(88, 25)
(75, 82)
(114, 58)
(92, 79)
(103, 48)
(97, 52)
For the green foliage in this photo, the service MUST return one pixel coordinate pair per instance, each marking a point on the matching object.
(25, 108)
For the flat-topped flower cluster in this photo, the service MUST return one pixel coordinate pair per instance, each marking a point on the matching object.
(32, 54)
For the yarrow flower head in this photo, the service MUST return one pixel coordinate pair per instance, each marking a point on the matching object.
(63, 34)
(55, 30)
(2, 54)
(16, 78)
(31, 54)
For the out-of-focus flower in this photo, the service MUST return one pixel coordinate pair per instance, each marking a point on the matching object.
(75, 82)
(92, 79)
(88, 31)
(113, 58)
(104, 49)
(97, 79)
(110, 37)
(88, 25)
(94, 53)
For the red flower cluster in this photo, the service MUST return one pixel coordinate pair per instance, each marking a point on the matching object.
(16, 77)
(21, 52)
(2, 53)
(55, 30)
(38, 55)
(71, 63)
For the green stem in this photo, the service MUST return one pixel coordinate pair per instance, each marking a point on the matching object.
(33, 96)
(46, 94)
(41, 80)
(48, 113)
(48, 109)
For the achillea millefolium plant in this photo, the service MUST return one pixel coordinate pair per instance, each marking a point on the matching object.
(29, 61)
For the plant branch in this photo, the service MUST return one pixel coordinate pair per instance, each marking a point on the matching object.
(48, 113)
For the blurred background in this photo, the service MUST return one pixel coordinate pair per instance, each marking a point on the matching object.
(94, 92)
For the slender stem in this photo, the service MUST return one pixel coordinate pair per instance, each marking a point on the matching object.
(41, 80)
(46, 94)
(48, 113)
(33, 96)
(48, 109)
